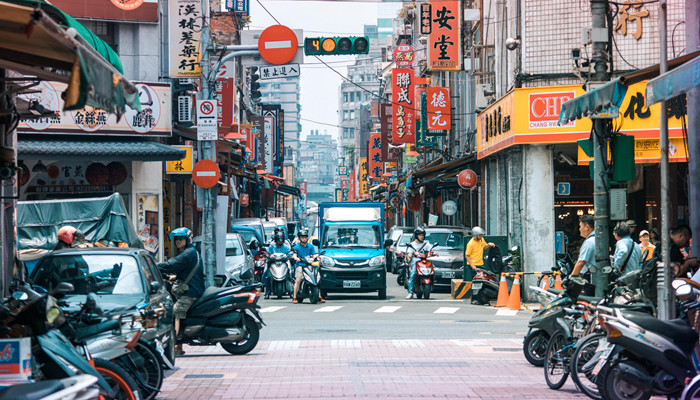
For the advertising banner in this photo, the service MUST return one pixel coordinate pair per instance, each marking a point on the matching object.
(147, 223)
(183, 166)
(259, 132)
(385, 128)
(279, 148)
(225, 101)
(111, 10)
(352, 193)
(375, 157)
(403, 98)
(439, 108)
(185, 27)
(445, 40)
(364, 175)
(302, 200)
(269, 131)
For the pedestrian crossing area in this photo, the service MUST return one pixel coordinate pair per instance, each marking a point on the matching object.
(475, 345)
(383, 310)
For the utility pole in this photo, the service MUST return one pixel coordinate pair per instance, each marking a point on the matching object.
(601, 199)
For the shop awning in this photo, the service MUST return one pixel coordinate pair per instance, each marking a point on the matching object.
(608, 95)
(286, 189)
(107, 150)
(439, 171)
(675, 82)
(38, 39)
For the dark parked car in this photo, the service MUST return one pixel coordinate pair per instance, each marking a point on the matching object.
(450, 248)
(122, 279)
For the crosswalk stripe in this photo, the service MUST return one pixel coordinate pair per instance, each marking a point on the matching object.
(271, 309)
(446, 310)
(407, 343)
(387, 309)
(506, 312)
(284, 345)
(354, 344)
(328, 309)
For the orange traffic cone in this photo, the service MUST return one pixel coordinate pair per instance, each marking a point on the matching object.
(557, 283)
(514, 299)
(546, 282)
(502, 300)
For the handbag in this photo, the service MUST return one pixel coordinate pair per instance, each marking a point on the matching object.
(181, 287)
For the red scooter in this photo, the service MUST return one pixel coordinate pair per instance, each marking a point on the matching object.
(259, 262)
(425, 273)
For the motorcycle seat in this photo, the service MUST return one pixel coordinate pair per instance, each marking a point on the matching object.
(590, 299)
(677, 330)
(632, 307)
(32, 391)
(213, 291)
(92, 330)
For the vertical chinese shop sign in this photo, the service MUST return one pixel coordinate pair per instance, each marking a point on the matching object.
(439, 108)
(375, 157)
(363, 177)
(445, 41)
(403, 98)
(185, 27)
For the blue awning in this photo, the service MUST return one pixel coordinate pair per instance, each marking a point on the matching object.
(675, 82)
(608, 95)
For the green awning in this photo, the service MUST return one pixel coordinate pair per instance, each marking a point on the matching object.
(608, 95)
(95, 149)
(675, 82)
(38, 39)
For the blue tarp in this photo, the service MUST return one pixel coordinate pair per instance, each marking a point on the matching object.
(608, 95)
(674, 82)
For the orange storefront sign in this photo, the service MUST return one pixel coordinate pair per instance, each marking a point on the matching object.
(445, 40)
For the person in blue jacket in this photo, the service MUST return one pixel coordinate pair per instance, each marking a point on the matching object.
(180, 267)
(301, 250)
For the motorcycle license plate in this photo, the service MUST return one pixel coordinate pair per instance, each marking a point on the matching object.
(448, 274)
(351, 284)
(603, 359)
(477, 286)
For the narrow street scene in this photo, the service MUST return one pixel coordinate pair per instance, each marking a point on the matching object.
(327, 199)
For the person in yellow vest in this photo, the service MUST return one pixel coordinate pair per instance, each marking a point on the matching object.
(475, 248)
(645, 244)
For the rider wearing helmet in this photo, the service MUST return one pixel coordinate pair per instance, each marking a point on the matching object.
(416, 245)
(180, 267)
(69, 236)
(475, 248)
(278, 245)
(301, 250)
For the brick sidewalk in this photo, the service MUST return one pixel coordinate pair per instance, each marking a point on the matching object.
(492, 368)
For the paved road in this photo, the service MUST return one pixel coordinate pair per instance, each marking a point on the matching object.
(363, 348)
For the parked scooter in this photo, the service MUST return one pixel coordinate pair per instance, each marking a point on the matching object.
(227, 316)
(280, 275)
(401, 269)
(646, 356)
(485, 283)
(80, 387)
(425, 273)
(312, 277)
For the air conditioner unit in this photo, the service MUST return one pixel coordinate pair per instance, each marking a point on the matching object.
(184, 108)
(482, 100)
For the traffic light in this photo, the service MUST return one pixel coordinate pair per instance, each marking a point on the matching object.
(254, 85)
(321, 46)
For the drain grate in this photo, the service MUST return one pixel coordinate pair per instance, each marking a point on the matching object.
(507, 349)
(203, 376)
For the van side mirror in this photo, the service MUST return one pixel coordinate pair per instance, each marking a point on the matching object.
(155, 287)
(316, 242)
(388, 242)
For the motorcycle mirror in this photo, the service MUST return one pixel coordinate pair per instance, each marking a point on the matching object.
(20, 296)
(316, 242)
(682, 288)
(514, 249)
(155, 287)
(388, 243)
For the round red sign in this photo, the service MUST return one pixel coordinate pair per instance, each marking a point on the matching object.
(467, 179)
(205, 174)
(403, 55)
(278, 44)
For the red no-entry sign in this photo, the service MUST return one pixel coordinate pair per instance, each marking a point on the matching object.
(205, 174)
(278, 44)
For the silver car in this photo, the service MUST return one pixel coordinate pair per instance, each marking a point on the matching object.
(450, 248)
(238, 266)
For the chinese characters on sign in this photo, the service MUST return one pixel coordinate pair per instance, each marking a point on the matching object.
(439, 108)
(279, 71)
(403, 55)
(445, 42)
(363, 176)
(426, 12)
(375, 157)
(403, 98)
(631, 12)
(183, 166)
(185, 27)
(148, 221)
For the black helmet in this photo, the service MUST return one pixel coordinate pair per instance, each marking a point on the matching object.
(418, 231)
(303, 232)
(279, 235)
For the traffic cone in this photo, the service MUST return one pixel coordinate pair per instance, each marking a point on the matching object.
(502, 300)
(557, 283)
(514, 299)
(546, 282)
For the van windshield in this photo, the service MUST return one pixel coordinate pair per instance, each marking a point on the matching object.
(351, 236)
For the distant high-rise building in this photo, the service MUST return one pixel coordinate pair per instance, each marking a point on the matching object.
(386, 13)
(285, 92)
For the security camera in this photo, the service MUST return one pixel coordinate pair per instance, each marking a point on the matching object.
(575, 54)
(512, 43)
(566, 159)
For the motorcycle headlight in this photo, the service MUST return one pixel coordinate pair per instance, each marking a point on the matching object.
(327, 261)
(376, 261)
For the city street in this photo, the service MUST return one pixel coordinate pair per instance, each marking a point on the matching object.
(361, 347)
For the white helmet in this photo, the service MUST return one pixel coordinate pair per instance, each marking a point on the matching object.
(477, 230)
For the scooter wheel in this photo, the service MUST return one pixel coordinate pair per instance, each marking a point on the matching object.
(249, 341)
(313, 295)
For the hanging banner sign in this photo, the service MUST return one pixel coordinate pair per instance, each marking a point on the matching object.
(375, 156)
(403, 55)
(353, 191)
(183, 166)
(364, 175)
(426, 23)
(403, 98)
(185, 27)
(445, 40)
(439, 108)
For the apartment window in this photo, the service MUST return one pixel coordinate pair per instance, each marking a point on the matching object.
(345, 114)
(345, 97)
(352, 96)
(352, 114)
(105, 31)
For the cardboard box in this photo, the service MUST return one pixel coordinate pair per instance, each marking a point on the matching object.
(15, 358)
(459, 289)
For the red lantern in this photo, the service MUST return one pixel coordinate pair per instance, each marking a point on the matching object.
(466, 179)
(414, 202)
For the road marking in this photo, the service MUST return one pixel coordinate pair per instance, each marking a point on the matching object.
(328, 309)
(387, 309)
(353, 344)
(271, 309)
(468, 342)
(278, 44)
(446, 310)
(408, 343)
(506, 312)
(284, 345)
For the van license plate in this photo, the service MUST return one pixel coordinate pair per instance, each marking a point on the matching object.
(476, 286)
(351, 284)
(448, 274)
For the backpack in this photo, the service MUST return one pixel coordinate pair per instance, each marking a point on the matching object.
(648, 276)
(494, 260)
